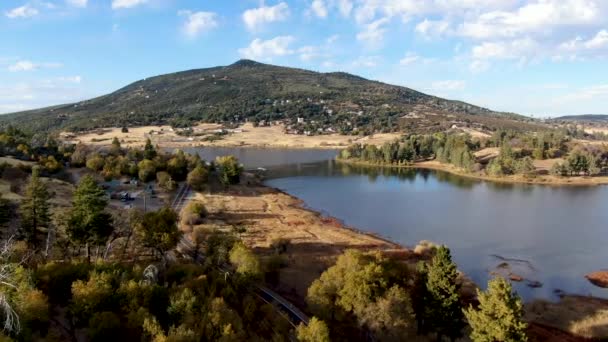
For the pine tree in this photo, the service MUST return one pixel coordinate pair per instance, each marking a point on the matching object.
(149, 150)
(444, 310)
(34, 208)
(88, 223)
(499, 315)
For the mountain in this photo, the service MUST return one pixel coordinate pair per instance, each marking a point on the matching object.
(583, 117)
(248, 90)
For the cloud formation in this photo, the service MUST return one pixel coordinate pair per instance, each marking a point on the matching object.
(198, 22)
(256, 17)
(267, 49)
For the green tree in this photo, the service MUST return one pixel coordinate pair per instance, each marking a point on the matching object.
(34, 209)
(444, 309)
(198, 178)
(95, 162)
(229, 169)
(499, 316)
(88, 223)
(315, 331)
(158, 231)
(115, 148)
(178, 166)
(245, 261)
(149, 150)
(147, 170)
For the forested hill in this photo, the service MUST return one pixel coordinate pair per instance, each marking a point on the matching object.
(261, 92)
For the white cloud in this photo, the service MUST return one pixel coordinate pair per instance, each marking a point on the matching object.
(118, 4)
(332, 39)
(319, 8)
(345, 7)
(373, 33)
(25, 65)
(25, 11)
(78, 3)
(448, 85)
(256, 17)
(413, 58)
(267, 49)
(599, 41)
(366, 62)
(588, 93)
(477, 66)
(70, 79)
(433, 27)
(198, 22)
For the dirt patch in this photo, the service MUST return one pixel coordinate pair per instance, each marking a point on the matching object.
(15, 162)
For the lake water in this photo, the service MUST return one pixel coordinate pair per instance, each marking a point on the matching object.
(554, 235)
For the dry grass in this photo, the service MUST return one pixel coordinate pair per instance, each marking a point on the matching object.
(582, 316)
(267, 215)
(5, 190)
(273, 136)
(15, 162)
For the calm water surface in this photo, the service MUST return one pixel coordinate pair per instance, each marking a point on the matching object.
(554, 235)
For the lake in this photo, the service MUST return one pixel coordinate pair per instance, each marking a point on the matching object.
(553, 235)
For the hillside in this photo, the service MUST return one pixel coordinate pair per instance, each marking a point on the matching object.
(583, 117)
(248, 90)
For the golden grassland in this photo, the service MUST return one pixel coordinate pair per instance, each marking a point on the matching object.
(244, 136)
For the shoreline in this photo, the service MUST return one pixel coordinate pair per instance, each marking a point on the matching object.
(513, 179)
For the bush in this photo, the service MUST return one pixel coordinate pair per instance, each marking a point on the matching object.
(164, 180)
(194, 213)
(198, 178)
(147, 170)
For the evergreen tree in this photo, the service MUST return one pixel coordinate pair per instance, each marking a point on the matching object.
(443, 309)
(88, 223)
(229, 169)
(34, 208)
(149, 150)
(115, 149)
(499, 315)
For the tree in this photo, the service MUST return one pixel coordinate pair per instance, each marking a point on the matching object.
(34, 208)
(178, 166)
(229, 169)
(124, 129)
(158, 230)
(147, 170)
(88, 223)
(115, 149)
(198, 178)
(316, 331)
(95, 162)
(245, 261)
(444, 309)
(499, 316)
(149, 150)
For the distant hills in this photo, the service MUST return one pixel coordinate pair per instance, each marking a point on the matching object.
(252, 91)
(584, 117)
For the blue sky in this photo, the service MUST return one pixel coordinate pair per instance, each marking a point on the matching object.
(534, 57)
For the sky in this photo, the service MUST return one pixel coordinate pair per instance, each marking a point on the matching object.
(534, 57)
